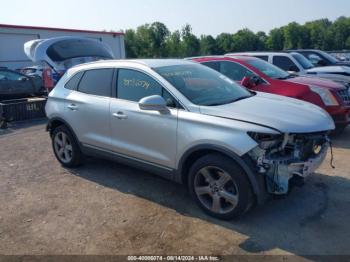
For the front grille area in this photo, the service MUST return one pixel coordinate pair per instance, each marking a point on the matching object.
(344, 95)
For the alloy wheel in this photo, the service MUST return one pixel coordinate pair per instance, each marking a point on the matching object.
(216, 190)
(63, 147)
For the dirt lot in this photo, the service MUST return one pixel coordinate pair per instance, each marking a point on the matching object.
(107, 208)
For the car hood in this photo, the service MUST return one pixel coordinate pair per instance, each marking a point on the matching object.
(334, 77)
(345, 63)
(62, 53)
(337, 69)
(285, 114)
(316, 81)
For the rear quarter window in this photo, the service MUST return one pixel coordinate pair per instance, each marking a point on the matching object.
(263, 57)
(73, 82)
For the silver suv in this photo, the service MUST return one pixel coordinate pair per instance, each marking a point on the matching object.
(184, 121)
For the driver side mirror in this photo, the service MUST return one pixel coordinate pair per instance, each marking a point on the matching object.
(153, 103)
(251, 82)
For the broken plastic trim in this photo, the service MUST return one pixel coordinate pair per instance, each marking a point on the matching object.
(280, 158)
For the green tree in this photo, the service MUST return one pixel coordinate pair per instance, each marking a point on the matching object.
(131, 48)
(261, 41)
(158, 33)
(245, 40)
(173, 45)
(155, 40)
(275, 40)
(224, 43)
(347, 43)
(341, 31)
(318, 33)
(190, 43)
(208, 45)
(292, 35)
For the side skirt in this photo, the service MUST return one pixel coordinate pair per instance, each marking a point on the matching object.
(162, 171)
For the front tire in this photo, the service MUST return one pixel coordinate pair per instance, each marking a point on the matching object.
(65, 147)
(220, 186)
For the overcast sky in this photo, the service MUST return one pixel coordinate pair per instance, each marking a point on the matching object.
(205, 16)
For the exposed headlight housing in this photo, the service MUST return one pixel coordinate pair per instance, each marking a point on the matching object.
(266, 141)
(326, 96)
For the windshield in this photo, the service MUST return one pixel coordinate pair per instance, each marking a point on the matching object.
(268, 69)
(329, 57)
(69, 49)
(306, 64)
(202, 85)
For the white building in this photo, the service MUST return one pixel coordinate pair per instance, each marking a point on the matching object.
(13, 37)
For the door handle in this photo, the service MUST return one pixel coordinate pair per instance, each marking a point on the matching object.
(73, 107)
(120, 115)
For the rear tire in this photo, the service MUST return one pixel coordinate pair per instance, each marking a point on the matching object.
(220, 186)
(66, 147)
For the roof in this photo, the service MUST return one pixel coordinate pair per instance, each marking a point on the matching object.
(259, 53)
(161, 62)
(60, 29)
(152, 63)
(223, 57)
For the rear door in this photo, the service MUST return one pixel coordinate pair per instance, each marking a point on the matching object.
(143, 135)
(87, 106)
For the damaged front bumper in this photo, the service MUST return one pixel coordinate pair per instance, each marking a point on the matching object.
(289, 160)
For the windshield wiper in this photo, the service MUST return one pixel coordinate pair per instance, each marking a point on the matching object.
(229, 102)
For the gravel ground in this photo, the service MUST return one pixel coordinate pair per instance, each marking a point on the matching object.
(106, 208)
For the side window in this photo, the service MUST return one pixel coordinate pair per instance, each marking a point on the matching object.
(12, 76)
(96, 82)
(263, 57)
(134, 85)
(314, 58)
(285, 63)
(213, 65)
(2, 76)
(234, 70)
(72, 83)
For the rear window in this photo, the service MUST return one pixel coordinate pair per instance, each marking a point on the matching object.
(213, 65)
(68, 49)
(97, 82)
(263, 57)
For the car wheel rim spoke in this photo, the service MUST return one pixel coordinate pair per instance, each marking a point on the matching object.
(206, 173)
(229, 197)
(216, 190)
(203, 190)
(64, 139)
(69, 148)
(63, 147)
(224, 178)
(216, 205)
(58, 141)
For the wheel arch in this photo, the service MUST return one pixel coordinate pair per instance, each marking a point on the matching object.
(56, 122)
(257, 181)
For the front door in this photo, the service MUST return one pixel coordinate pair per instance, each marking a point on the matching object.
(149, 136)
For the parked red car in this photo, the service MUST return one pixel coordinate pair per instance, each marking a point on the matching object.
(259, 75)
